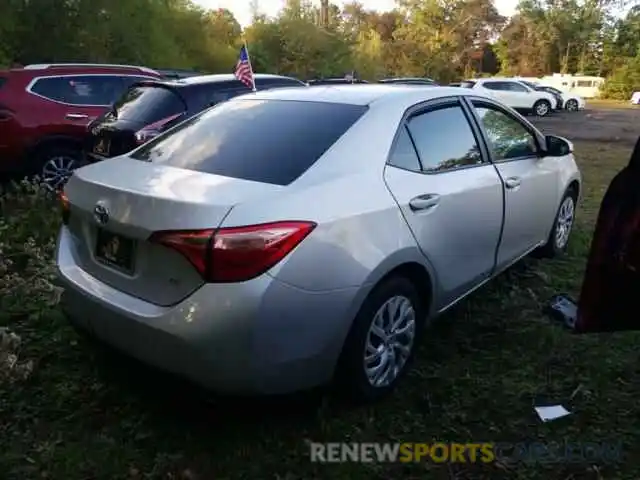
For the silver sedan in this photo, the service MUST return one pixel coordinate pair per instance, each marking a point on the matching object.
(294, 237)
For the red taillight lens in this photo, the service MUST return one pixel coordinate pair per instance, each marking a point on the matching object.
(64, 207)
(143, 136)
(153, 130)
(236, 254)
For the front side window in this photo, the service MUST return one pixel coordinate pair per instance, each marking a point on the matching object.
(508, 137)
(268, 141)
(98, 90)
(444, 140)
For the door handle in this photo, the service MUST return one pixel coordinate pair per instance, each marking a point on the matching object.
(424, 202)
(76, 116)
(512, 182)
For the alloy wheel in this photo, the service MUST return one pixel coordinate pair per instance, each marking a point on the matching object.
(564, 222)
(57, 170)
(389, 341)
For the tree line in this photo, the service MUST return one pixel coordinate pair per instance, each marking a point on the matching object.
(443, 39)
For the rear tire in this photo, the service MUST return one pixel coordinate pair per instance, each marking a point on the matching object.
(55, 164)
(562, 227)
(542, 108)
(381, 343)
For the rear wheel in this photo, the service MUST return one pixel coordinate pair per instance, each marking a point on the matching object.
(572, 105)
(381, 343)
(562, 226)
(541, 108)
(56, 165)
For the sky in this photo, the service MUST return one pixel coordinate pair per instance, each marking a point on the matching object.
(241, 8)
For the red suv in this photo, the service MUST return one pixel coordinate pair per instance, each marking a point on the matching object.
(45, 111)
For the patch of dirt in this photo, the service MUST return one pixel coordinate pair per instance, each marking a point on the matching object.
(595, 125)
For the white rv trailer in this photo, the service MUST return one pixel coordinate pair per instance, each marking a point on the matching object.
(582, 85)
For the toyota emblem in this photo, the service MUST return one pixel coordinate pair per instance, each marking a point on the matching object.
(101, 214)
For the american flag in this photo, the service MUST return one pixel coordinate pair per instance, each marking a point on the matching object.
(243, 71)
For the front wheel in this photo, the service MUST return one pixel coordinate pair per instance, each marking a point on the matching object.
(571, 106)
(542, 108)
(381, 343)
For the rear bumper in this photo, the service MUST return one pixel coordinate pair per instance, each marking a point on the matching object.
(255, 337)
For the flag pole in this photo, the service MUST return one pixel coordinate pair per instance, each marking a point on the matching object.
(253, 78)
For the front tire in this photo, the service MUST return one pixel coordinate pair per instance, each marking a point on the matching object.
(542, 108)
(562, 226)
(381, 343)
(571, 105)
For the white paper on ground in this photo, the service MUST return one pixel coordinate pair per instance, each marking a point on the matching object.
(552, 412)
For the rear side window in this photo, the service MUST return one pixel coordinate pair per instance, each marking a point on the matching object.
(467, 84)
(3, 80)
(269, 141)
(98, 90)
(148, 104)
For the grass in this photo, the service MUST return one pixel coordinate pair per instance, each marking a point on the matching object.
(86, 415)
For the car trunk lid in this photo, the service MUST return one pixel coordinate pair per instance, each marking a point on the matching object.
(118, 204)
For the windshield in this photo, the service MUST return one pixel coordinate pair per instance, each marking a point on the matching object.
(148, 104)
(269, 141)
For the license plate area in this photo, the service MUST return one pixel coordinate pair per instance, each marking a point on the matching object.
(101, 147)
(115, 251)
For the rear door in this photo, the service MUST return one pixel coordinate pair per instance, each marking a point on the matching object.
(74, 101)
(531, 181)
(449, 193)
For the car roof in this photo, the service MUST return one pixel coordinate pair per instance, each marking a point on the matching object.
(218, 78)
(489, 79)
(360, 94)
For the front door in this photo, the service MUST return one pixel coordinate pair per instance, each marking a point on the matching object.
(449, 194)
(531, 193)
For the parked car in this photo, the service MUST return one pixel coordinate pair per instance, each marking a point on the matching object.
(150, 107)
(514, 94)
(335, 81)
(410, 81)
(635, 98)
(172, 73)
(286, 239)
(558, 101)
(45, 110)
(566, 101)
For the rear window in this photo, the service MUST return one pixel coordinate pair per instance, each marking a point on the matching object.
(269, 141)
(148, 104)
(468, 84)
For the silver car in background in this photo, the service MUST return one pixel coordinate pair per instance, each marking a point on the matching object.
(288, 238)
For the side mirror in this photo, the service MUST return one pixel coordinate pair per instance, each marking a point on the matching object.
(557, 146)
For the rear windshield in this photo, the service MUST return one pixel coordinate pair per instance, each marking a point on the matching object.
(148, 104)
(269, 141)
(467, 84)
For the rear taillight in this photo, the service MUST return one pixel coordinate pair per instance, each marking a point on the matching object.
(64, 207)
(153, 130)
(236, 254)
(144, 135)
